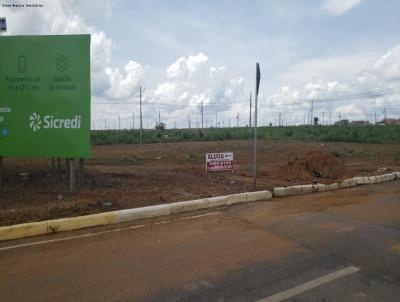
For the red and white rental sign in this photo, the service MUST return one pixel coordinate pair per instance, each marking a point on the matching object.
(221, 161)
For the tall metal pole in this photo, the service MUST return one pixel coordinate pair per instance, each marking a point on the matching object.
(258, 77)
(312, 112)
(202, 114)
(250, 112)
(141, 117)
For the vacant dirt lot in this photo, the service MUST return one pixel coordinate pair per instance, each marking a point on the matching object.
(125, 176)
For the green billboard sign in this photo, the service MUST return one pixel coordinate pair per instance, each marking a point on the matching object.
(45, 96)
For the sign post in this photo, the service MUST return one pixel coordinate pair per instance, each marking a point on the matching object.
(258, 77)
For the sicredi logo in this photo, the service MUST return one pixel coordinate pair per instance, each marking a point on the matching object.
(52, 122)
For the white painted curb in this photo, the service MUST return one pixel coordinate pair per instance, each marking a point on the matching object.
(73, 223)
(347, 183)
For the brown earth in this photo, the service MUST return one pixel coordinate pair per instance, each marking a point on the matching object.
(126, 176)
(315, 165)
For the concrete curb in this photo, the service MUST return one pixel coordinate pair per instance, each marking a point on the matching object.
(347, 183)
(114, 217)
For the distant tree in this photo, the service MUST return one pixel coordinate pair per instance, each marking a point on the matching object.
(316, 121)
(161, 126)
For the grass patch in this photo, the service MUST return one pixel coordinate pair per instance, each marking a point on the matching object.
(351, 134)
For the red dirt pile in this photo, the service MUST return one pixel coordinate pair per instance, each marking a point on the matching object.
(315, 165)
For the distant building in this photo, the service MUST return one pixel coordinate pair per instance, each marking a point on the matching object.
(342, 123)
(390, 121)
(359, 123)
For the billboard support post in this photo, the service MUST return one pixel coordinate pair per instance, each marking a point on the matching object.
(53, 165)
(71, 175)
(1, 171)
(81, 172)
(67, 168)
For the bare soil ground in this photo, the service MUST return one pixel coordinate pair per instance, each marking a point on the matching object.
(127, 176)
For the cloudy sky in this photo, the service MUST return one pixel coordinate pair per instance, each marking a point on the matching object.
(186, 53)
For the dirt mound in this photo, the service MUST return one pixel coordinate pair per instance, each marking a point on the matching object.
(315, 165)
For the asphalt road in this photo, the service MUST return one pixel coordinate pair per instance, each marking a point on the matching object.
(335, 246)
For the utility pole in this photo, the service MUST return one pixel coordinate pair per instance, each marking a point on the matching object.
(312, 112)
(159, 117)
(385, 113)
(141, 116)
(105, 124)
(189, 120)
(250, 112)
(280, 119)
(202, 114)
(119, 122)
(258, 77)
(133, 121)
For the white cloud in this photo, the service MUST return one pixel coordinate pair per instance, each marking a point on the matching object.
(191, 81)
(186, 67)
(57, 17)
(327, 68)
(339, 7)
(121, 86)
(384, 70)
(380, 74)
